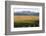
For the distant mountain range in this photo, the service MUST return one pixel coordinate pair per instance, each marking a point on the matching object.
(26, 13)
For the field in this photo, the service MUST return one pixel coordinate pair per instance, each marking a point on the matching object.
(26, 21)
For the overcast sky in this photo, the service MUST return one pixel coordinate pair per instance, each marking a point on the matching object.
(19, 8)
(26, 9)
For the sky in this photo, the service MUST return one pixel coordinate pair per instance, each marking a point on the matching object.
(26, 9)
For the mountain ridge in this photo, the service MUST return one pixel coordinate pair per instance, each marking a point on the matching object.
(26, 13)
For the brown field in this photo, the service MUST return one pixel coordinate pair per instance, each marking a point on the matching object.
(22, 18)
(26, 21)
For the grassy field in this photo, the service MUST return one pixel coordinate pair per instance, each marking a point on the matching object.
(26, 21)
